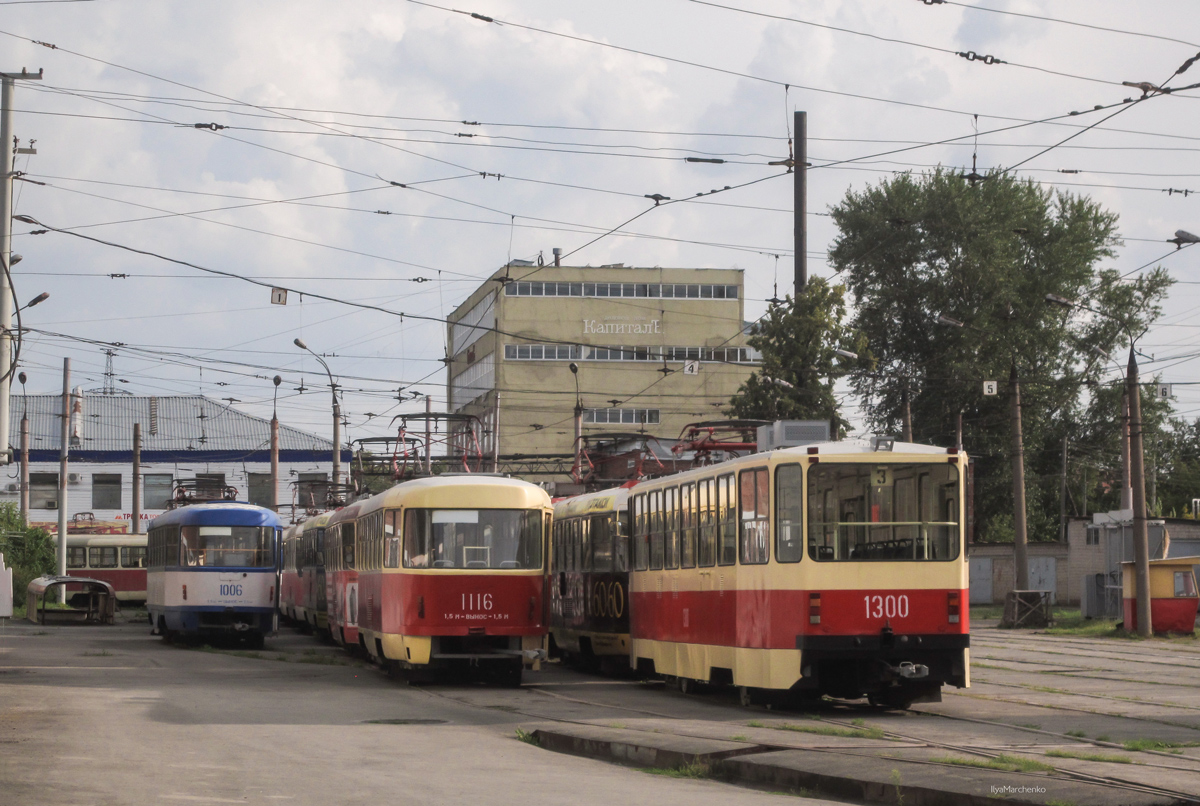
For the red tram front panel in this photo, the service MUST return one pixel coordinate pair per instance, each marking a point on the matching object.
(129, 583)
(437, 604)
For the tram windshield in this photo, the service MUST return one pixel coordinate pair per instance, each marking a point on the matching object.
(473, 538)
(228, 546)
(859, 512)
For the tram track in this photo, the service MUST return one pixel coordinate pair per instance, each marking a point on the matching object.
(909, 741)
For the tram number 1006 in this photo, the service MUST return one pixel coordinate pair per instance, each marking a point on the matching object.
(886, 606)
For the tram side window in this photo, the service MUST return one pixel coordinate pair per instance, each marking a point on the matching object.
(620, 530)
(391, 536)
(687, 525)
(102, 556)
(706, 505)
(727, 511)
(641, 534)
(585, 543)
(754, 491)
(348, 544)
(789, 536)
(133, 556)
(656, 530)
(671, 526)
(602, 541)
(76, 556)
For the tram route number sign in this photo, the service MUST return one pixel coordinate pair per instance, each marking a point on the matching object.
(989, 388)
(1164, 391)
(279, 296)
(691, 367)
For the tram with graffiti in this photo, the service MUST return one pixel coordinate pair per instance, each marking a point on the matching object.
(341, 576)
(835, 568)
(452, 576)
(589, 583)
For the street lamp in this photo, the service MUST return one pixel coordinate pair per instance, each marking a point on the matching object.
(337, 414)
(1137, 464)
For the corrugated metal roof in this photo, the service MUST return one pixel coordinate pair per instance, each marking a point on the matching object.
(182, 423)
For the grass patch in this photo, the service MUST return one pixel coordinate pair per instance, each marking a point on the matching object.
(1089, 756)
(1030, 725)
(1078, 734)
(739, 738)
(754, 723)
(1136, 745)
(618, 725)
(829, 730)
(528, 738)
(696, 769)
(1002, 762)
(103, 653)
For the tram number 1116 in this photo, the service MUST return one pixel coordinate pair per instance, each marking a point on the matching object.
(477, 601)
(886, 606)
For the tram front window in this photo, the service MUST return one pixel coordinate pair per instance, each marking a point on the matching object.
(859, 512)
(228, 546)
(505, 539)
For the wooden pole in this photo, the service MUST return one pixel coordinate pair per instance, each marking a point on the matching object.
(137, 478)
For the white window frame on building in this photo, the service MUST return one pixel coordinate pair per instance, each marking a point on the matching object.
(157, 490)
(618, 416)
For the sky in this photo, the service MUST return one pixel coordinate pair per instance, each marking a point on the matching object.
(394, 154)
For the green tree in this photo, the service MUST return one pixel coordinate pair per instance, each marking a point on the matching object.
(986, 254)
(30, 552)
(798, 339)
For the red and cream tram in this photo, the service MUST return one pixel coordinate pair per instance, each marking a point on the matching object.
(290, 595)
(341, 576)
(119, 560)
(452, 575)
(310, 571)
(834, 569)
(589, 583)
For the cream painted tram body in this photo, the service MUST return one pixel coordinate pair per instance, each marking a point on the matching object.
(452, 575)
(836, 568)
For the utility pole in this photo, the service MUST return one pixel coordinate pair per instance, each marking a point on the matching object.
(25, 468)
(496, 434)
(958, 443)
(1020, 536)
(1141, 541)
(1126, 483)
(137, 478)
(274, 500)
(800, 204)
(337, 436)
(63, 448)
(7, 86)
(1062, 495)
(906, 434)
(429, 416)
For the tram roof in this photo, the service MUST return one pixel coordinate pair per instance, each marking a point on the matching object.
(438, 491)
(223, 513)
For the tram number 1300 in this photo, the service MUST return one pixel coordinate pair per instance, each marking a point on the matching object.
(886, 606)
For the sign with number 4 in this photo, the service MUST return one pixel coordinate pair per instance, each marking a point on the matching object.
(989, 388)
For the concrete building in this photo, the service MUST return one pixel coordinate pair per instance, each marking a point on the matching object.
(656, 349)
(183, 437)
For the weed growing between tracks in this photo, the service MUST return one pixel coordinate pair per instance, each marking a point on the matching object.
(1154, 744)
(695, 769)
(825, 730)
(1089, 756)
(528, 738)
(1002, 762)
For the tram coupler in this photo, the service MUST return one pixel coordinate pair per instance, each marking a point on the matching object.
(910, 671)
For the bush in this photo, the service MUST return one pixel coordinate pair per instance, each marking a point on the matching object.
(29, 552)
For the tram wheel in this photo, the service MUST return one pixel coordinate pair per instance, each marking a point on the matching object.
(507, 675)
(256, 641)
(686, 685)
(744, 696)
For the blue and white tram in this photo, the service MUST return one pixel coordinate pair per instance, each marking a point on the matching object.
(213, 569)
